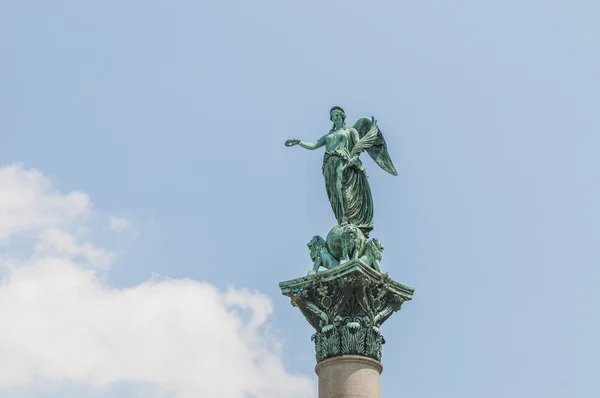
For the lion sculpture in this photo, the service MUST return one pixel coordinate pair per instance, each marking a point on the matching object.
(372, 255)
(351, 243)
(320, 255)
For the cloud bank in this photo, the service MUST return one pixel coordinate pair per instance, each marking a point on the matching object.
(62, 323)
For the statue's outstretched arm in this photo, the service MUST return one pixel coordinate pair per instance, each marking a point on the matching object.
(307, 145)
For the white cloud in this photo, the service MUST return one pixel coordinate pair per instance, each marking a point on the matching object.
(119, 224)
(28, 202)
(61, 322)
(55, 242)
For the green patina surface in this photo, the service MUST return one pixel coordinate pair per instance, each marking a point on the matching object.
(348, 303)
(347, 306)
(345, 176)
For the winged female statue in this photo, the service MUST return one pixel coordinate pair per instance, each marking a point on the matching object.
(345, 177)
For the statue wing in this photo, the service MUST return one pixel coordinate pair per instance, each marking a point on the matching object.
(378, 148)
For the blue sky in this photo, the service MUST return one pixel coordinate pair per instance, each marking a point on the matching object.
(169, 118)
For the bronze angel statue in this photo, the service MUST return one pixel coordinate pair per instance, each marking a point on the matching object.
(345, 177)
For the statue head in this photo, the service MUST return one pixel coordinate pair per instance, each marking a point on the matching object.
(337, 116)
(315, 246)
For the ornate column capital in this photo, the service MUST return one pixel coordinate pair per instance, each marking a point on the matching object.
(347, 305)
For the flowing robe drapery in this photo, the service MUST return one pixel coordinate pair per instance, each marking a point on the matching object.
(348, 187)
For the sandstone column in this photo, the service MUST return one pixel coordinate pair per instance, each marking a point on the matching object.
(349, 376)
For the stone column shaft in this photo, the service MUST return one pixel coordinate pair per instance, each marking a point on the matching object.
(349, 376)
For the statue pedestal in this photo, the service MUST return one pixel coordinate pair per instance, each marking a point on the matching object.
(347, 305)
(349, 376)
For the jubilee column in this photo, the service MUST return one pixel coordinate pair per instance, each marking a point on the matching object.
(348, 302)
